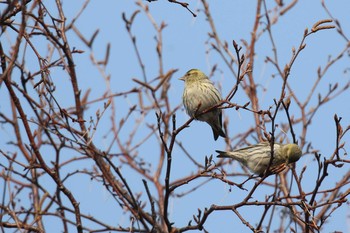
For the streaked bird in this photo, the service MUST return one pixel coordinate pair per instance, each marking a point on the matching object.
(200, 94)
(257, 157)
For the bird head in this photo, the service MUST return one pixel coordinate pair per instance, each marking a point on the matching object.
(293, 152)
(193, 75)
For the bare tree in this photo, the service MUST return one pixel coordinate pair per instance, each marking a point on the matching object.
(53, 127)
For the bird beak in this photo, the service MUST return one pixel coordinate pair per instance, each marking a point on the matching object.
(182, 78)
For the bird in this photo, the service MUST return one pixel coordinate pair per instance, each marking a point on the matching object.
(257, 157)
(200, 94)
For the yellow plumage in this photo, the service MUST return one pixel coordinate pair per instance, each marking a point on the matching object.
(257, 157)
(200, 94)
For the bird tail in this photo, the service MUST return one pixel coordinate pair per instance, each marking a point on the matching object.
(217, 131)
(230, 154)
(223, 154)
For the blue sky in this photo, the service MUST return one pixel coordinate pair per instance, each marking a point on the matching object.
(185, 46)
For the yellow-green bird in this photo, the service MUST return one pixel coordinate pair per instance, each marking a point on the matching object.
(200, 94)
(257, 157)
